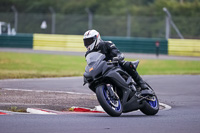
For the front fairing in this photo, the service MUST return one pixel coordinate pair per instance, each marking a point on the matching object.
(93, 60)
(98, 71)
(94, 68)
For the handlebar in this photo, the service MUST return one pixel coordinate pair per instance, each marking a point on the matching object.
(112, 62)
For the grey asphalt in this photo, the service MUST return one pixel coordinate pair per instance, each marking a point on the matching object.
(70, 84)
(181, 92)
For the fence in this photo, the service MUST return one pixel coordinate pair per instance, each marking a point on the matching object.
(132, 26)
(75, 43)
(58, 42)
(180, 47)
(18, 41)
(139, 45)
(184, 47)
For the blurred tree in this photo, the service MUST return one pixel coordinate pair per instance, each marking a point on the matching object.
(146, 15)
(105, 7)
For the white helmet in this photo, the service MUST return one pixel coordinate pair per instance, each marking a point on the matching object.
(91, 39)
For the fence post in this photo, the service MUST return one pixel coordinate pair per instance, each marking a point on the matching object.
(53, 20)
(170, 21)
(167, 28)
(16, 17)
(128, 25)
(90, 18)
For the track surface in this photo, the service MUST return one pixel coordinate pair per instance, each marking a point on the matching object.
(181, 92)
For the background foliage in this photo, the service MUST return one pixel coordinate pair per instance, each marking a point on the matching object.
(147, 16)
(105, 7)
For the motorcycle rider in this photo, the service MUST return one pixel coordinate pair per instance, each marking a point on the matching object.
(94, 43)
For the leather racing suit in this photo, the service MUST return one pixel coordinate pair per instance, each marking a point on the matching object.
(110, 51)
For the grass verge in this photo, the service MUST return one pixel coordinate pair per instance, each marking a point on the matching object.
(28, 65)
(16, 109)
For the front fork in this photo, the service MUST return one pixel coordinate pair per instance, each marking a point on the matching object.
(111, 91)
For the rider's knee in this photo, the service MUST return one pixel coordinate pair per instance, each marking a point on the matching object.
(128, 66)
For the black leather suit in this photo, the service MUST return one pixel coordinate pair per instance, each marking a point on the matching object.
(110, 51)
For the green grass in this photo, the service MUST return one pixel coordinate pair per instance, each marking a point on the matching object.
(16, 109)
(169, 67)
(23, 65)
(28, 65)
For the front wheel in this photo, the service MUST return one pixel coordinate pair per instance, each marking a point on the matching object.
(111, 105)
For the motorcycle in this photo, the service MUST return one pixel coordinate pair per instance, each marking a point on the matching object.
(115, 89)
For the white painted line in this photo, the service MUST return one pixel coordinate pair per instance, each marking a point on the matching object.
(166, 107)
(65, 92)
(99, 108)
(39, 79)
(40, 111)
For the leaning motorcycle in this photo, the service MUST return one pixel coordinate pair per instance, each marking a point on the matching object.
(115, 89)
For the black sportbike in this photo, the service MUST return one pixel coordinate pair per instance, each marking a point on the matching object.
(115, 89)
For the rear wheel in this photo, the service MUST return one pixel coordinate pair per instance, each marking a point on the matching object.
(151, 104)
(111, 105)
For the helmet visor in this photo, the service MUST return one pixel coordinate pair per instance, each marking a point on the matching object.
(88, 41)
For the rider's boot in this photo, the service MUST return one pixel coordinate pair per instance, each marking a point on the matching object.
(139, 80)
(128, 67)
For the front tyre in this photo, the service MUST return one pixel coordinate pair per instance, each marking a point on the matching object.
(112, 106)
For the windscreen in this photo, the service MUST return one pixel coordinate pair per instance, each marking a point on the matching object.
(94, 57)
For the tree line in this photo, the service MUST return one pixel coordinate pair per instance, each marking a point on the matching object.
(105, 7)
(148, 17)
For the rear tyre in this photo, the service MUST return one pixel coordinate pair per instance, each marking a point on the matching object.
(112, 106)
(151, 106)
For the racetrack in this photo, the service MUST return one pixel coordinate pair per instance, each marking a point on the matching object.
(181, 92)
